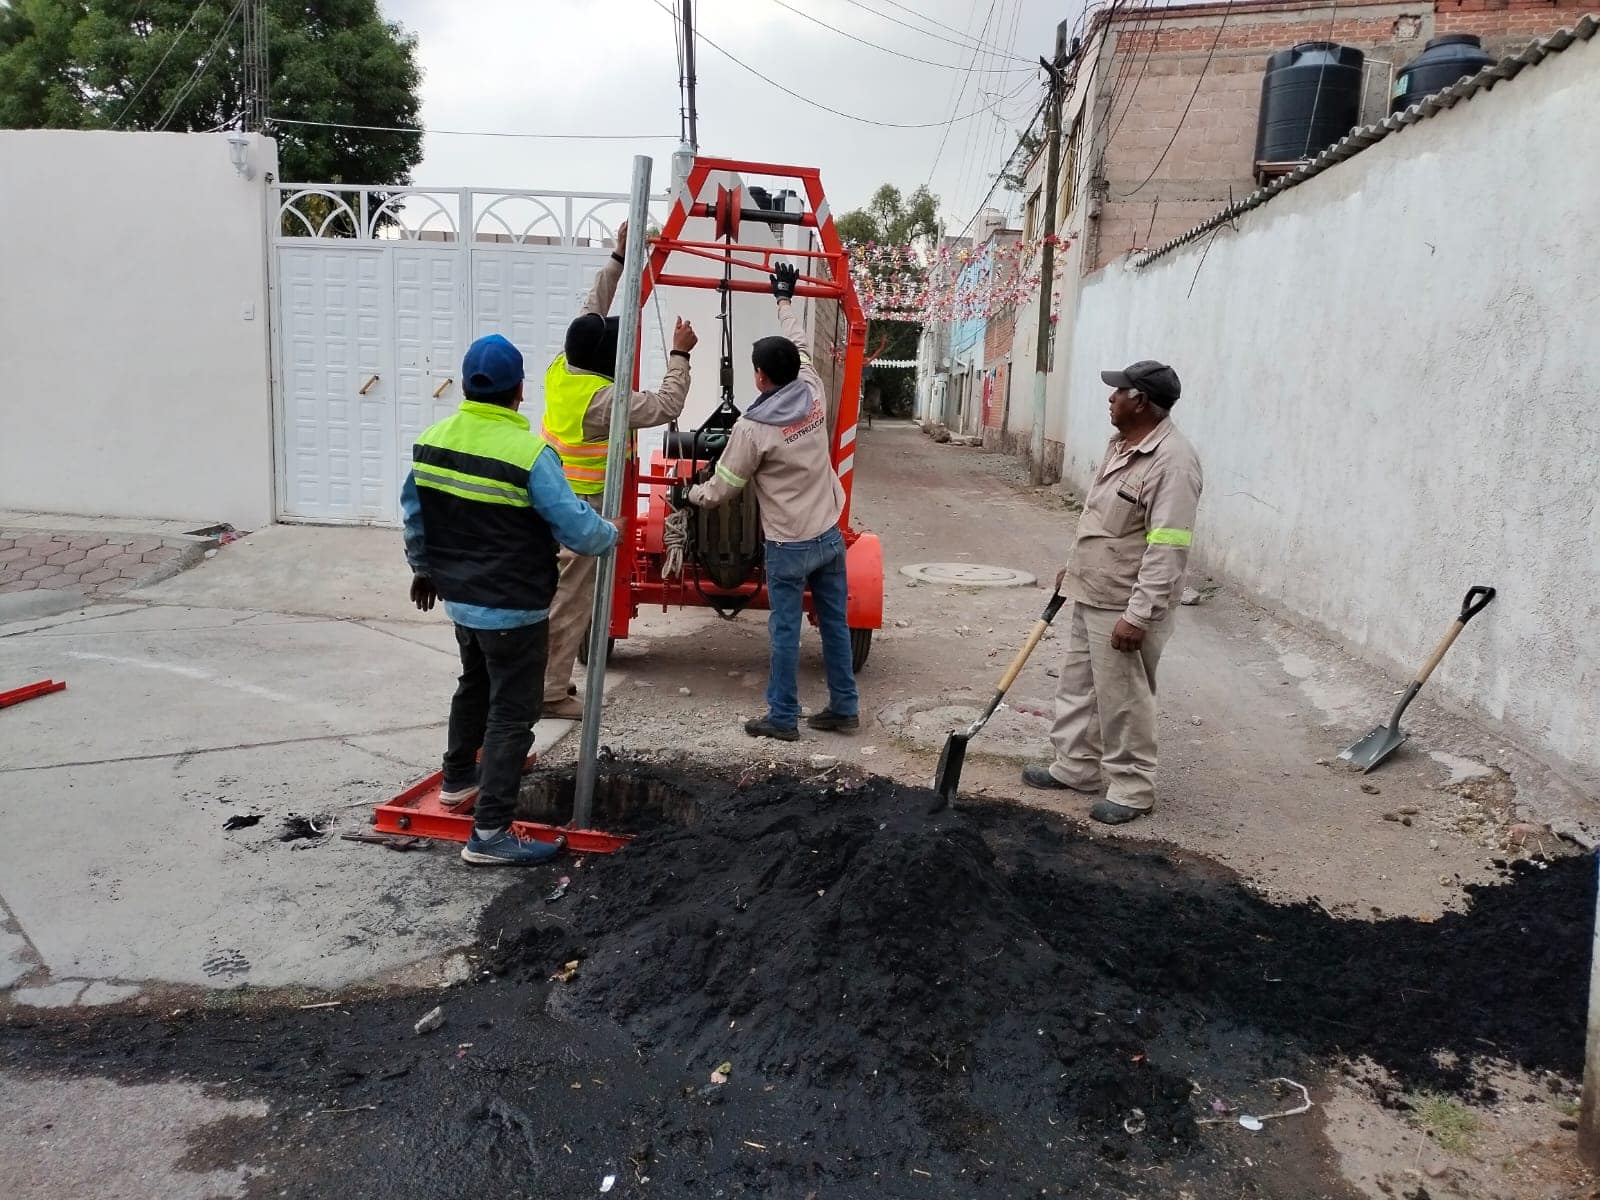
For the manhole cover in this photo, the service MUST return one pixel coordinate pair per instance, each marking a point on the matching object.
(968, 575)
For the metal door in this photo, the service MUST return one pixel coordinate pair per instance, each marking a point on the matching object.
(428, 299)
(337, 433)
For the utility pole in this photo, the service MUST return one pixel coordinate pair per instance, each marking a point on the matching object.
(688, 73)
(255, 66)
(1047, 266)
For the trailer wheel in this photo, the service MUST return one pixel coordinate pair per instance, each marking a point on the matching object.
(860, 647)
(583, 649)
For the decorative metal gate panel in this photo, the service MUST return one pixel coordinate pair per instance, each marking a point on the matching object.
(378, 294)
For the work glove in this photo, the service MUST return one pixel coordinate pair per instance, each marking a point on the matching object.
(423, 593)
(783, 278)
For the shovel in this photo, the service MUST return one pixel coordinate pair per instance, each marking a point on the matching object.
(1386, 739)
(948, 777)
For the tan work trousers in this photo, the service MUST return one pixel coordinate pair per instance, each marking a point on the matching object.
(570, 614)
(1106, 710)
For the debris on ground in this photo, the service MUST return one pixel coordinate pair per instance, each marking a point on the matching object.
(430, 1020)
(296, 827)
(241, 821)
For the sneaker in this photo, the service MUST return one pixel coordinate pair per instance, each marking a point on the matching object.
(506, 849)
(1109, 812)
(1037, 775)
(568, 708)
(829, 721)
(458, 798)
(767, 728)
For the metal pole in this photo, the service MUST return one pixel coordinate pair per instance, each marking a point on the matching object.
(688, 70)
(611, 502)
(1589, 1110)
(1047, 267)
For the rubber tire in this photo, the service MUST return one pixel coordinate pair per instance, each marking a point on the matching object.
(860, 647)
(583, 650)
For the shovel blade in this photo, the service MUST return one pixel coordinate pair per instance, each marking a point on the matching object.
(947, 779)
(1374, 748)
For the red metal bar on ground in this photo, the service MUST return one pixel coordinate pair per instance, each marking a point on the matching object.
(29, 691)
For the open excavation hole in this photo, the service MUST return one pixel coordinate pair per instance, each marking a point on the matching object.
(627, 799)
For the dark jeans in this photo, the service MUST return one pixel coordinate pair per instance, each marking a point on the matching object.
(791, 568)
(496, 703)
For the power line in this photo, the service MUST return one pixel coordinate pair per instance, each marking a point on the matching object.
(150, 78)
(739, 62)
(886, 49)
(620, 137)
(1137, 79)
(955, 103)
(199, 68)
(1001, 173)
(1210, 54)
(964, 45)
(1311, 125)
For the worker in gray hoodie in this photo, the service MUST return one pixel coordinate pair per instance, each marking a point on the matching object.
(779, 446)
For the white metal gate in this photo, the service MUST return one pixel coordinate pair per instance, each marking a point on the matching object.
(379, 292)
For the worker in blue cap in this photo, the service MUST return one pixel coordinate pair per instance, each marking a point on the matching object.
(486, 506)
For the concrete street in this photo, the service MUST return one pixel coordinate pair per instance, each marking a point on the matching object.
(288, 676)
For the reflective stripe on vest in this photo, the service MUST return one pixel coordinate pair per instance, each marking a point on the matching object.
(483, 453)
(567, 396)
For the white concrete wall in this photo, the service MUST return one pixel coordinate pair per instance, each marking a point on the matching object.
(1390, 375)
(134, 327)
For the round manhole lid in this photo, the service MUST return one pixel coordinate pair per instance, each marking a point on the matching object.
(968, 574)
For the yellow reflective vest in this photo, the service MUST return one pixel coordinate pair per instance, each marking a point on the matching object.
(567, 396)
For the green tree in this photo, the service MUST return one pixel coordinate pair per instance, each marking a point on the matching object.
(178, 65)
(894, 219)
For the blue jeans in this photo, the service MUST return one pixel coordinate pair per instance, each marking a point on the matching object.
(791, 568)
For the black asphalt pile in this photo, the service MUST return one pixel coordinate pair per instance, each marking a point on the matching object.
(948, 974)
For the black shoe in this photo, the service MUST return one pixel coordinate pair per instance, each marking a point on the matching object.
(831, 722)
(765, 727)
(1109, 812)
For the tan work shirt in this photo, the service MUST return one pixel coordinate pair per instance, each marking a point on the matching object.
(790, 466)
(645, 409)
(1137, 526)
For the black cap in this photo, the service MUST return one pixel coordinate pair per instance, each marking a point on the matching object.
(1157, 381)
(591, 344)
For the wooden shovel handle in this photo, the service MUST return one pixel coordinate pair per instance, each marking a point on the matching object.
(1021, 660)
(1439, 651)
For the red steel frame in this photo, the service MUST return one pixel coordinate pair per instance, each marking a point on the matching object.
(638, 578)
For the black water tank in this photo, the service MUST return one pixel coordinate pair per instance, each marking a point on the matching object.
(1442, 62)
(1310, 98)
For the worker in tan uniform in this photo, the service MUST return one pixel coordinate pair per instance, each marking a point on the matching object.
(780, 447)
(1124, 580)
(577, 425)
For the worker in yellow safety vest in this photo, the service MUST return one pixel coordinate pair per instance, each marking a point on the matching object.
(577, 425)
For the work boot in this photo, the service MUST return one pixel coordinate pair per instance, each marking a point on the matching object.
(1109, 812)
(506, 849)
(767, 728)
(568, 708)
(1038, 775)
(829, 721)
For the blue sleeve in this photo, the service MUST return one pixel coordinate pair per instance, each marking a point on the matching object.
(575, 525)
(411, 513)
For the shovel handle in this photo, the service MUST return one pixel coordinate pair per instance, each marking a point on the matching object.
(1477, 599)
(1028, 647)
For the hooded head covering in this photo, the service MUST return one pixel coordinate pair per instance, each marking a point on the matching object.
(592, 344)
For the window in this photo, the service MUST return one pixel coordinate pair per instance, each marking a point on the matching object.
(1030, 218)
(1069, 176)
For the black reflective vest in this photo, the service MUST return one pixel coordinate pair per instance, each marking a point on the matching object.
(484, 541)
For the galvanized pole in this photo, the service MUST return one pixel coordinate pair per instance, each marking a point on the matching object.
(612, 501)
(688, 70)
(1047, 266)
(1589, 1110)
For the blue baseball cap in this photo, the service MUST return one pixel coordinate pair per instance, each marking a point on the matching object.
(492, 365)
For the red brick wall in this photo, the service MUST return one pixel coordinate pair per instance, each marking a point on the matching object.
(1212, 157)
(997, 336)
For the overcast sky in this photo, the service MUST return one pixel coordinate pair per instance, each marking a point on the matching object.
(609, 67)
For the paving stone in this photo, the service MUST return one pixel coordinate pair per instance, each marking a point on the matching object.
(124, 559)
(53, 583)
(103, 551)
(137, 570)
(49, 995)
(39, 572)
(98, 575)
(87, 542)
(19, 585)
(143, 545)
(160, 554)
(62, 557)
(6, 543)
(13, 553)
(34, 539)
(76, 569)
(113, 587)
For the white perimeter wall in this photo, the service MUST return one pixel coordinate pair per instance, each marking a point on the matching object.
(133, 327)
(1392, 375)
